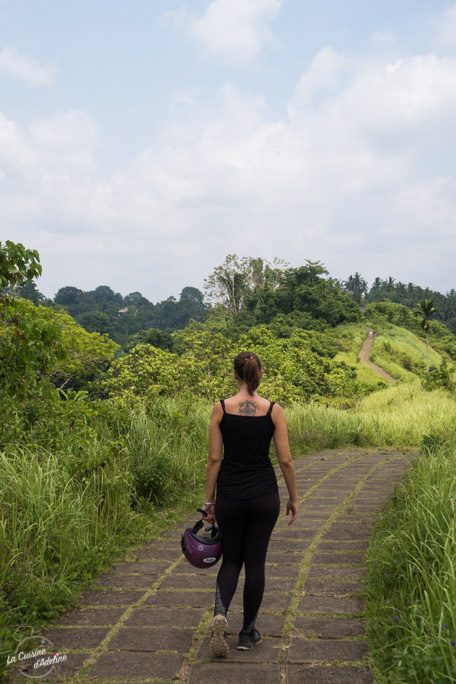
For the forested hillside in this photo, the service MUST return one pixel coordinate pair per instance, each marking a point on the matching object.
(408, 294)
(251, 290)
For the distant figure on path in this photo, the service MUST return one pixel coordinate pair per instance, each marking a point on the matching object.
(247, 504)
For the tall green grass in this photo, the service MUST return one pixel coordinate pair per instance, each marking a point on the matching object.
(55, 534)
(411, 585)
(395, 417)
(66, 515)
(167, 449)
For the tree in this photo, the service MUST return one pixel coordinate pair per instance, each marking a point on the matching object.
(425, 310)
(30, 291)
(243, 282)
(136, 299)
(153, 336)
(191, 305)
(306, 290)
(227, 283)
(68, 296)
(96, 321)
(17, 265)
(28, 347)
(356, 286)
(192, 295)
(75, 301)
(390, 284)
(105, 296)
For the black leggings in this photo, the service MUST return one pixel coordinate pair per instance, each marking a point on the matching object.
(246, 528)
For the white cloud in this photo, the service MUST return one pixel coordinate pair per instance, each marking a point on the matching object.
(26, 68)
(378, 102)
(235, 31)
(352, 176)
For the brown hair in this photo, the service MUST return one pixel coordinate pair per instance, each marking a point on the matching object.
(248, 367)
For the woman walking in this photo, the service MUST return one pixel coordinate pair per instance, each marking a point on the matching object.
(247, 504)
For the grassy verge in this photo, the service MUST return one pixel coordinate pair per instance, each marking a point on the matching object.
(399, 416)
(67, 515)
(411, 584)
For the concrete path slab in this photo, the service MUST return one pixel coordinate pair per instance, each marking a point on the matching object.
(147, 620)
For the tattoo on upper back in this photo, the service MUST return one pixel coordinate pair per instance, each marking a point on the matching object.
(247, 408)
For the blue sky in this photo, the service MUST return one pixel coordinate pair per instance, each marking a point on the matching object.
(142, 142)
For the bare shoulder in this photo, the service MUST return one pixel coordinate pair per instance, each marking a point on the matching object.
(217, 411)
(277, 413)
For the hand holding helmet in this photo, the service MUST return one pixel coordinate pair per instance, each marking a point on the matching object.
(208, 510)
(202, 550)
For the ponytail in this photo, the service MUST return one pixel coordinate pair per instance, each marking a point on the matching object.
(248, 367)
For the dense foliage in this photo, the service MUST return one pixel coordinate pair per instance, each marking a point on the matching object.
(407, 294)
(246, 291)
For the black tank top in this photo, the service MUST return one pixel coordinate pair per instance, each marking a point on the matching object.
(246, 469)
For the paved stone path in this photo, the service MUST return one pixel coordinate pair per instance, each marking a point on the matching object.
(147, 620)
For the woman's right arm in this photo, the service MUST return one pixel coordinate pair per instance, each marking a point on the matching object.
(285, 461)
(214, 460)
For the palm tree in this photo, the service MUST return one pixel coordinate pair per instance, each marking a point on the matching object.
(426, 309)
(356, 286)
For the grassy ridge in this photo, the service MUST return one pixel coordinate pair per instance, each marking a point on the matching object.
(351, 336)
(400, 353)
(397, 350)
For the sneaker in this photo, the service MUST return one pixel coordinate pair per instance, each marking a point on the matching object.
(217, 644)
(247, 640)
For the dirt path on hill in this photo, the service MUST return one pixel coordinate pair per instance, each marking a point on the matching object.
(364, 357)
(147, 619)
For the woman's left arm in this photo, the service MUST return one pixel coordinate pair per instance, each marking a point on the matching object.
(214, 460)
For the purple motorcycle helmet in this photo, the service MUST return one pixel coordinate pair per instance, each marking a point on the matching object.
(202, 550)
